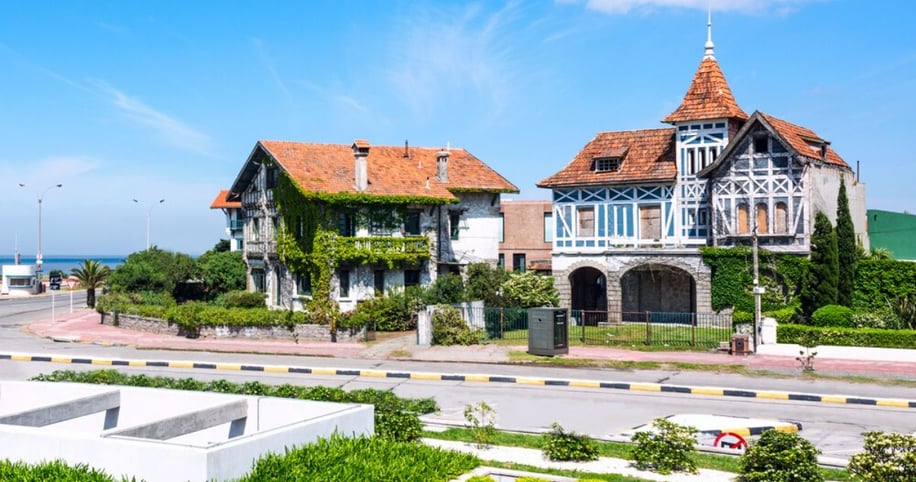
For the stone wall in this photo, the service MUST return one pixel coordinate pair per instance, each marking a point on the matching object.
(306, 332)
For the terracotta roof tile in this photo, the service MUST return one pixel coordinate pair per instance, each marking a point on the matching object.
(220, 201)
(330, 168)
(649, 157)
(804, 140)
(708, 97)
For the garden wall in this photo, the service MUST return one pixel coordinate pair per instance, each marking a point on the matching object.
(303, 332)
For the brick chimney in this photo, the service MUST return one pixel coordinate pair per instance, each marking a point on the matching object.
(442, 165)
(360, 154)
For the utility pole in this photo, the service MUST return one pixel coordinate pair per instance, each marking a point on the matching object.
(758, 290)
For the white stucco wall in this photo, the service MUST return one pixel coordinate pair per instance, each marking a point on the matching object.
(824, 186)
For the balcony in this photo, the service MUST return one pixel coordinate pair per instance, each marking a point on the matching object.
(383, 249)
(260, 247)
(236, 224)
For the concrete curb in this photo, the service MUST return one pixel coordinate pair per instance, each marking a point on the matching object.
(470, 377)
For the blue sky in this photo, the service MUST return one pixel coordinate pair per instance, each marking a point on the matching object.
(150, 100)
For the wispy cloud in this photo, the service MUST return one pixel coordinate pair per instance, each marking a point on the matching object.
(111, 28)
(269, 64)
(439, 53)
(170, 130)
(780, 7)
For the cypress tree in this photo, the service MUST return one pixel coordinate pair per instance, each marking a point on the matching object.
(846, 249)
(820, 286)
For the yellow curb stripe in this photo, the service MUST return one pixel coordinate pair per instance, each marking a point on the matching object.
(832, 399)
(773, 395)
(21, 358)
(228, 366)
(477, 378)
(529, 381)
(131, 363)
(787, 428)
(584, 384)
(275, 369)
(61, 359)
(324, 371)
(892, 403)
(645, 387)
(707, 391)
(102, 361)
(181, 364)
(425, 376)
(373, 373)
(743, 431)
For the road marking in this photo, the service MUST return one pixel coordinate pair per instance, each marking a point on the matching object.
(473, 377)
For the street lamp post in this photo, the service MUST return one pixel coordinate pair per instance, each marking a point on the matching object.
(38, 258)
(149, 213)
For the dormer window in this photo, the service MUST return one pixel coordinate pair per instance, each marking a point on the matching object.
(761, 146)
(607, 164)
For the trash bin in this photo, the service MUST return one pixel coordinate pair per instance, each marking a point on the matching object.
(740, 344)
(548, 331)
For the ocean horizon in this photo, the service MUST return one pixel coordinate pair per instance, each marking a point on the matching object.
(65, 263)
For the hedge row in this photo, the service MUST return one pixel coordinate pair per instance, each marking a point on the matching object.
(395, 418)
(341, 459)
(812, 335)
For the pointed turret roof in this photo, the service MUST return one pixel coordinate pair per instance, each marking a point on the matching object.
(709, 96)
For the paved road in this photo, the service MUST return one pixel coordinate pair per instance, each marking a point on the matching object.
(600, 412)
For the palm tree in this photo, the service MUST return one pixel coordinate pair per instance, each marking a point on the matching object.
(91, 275)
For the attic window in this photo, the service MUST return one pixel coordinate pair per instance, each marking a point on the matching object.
(607, 164)
(761, 146)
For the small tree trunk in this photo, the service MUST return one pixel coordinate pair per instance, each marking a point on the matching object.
(90, 297)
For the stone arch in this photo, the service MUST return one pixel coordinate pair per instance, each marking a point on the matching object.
(657, 286)
(588, 293)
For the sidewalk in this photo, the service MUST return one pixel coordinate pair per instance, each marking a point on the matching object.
(83, 326)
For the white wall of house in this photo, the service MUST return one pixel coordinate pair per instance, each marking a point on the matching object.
(478, 228)
(825, 186)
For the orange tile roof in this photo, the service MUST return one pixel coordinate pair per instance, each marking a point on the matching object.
(330, 168)
(649, 156)
(220, 201)
(708, 97)
(798, 137)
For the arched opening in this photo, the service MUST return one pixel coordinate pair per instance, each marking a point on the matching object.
(589, 294)
(743, 220)
(657, 288)
(782, 218)
(763, 225)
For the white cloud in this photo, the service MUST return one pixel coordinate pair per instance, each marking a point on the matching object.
(171, 130)
(780, 7)
(440, 53)
(268, 63)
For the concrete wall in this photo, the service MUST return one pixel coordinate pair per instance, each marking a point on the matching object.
(824, 188)
(271, 425)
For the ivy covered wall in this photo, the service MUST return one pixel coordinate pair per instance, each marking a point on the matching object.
(733, 278)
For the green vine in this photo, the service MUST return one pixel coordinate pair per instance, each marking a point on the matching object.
(733, 278)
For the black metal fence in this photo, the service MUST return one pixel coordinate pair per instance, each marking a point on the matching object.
(610, 328)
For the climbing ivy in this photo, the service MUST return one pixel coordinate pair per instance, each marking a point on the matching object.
(733, 278)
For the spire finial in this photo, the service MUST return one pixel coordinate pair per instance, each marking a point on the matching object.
(709, 45)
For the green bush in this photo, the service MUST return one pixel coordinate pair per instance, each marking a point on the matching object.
(243, 299)
(880, 338)
(742, 317)
(665, 448)
(56, 470)
(447, 289)
(395, 418)
(559, 444)
(782, 315)
(888, 457)
(879, 280)
(832, 315)
(780, 457)
(450, 329)
(395, 312)
(341, 459)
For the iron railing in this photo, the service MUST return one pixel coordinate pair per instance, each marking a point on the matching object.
(610, 328)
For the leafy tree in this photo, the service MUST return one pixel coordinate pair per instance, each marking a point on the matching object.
(448, 288)
(846, 250)
(91, 276)
(529, 290)
(484, 282)
(820, 286)
(222, 271)
(154, 270)
(221, 245)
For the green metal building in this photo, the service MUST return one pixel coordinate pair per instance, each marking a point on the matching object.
(895, 232)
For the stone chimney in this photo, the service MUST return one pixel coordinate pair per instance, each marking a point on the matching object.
(442, 165)
(360, 154)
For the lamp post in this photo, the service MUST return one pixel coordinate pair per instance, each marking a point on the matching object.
(38, 259)
(149, 213)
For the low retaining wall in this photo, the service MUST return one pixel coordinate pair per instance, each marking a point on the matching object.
(307, 332)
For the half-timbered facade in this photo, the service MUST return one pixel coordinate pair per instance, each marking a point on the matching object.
(633, 207)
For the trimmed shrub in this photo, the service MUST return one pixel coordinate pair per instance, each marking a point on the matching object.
(739, 317)
(559, 444)
(888, 457)
(780, 457)
(450, 329)
(846, 336)
(782, 315)
(833, 315)
(243, 299)
(667, 447)
(395, 418)
(341, 459)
